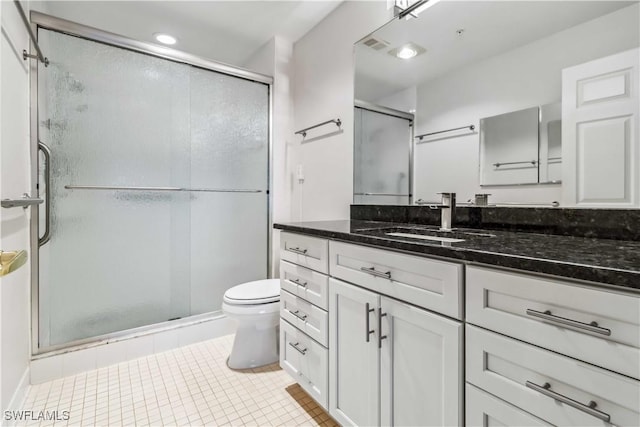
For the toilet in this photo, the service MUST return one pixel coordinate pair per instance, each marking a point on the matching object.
(255, 307)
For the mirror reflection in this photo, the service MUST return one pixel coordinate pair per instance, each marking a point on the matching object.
(484, 84)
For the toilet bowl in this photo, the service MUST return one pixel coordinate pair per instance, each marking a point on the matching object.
(255, 307)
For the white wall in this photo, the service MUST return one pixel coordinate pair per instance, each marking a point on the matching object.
(405, 100)
(521, 78)
(275, 59)
(14, 223)
(323, 89)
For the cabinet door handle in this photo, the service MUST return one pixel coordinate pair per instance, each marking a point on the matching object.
(589, 409)
(367, 310)
(296, 313)
(589, 327)
(298, 282)
(372, 271)
(302, 351)
(298, 251)
(380, 336)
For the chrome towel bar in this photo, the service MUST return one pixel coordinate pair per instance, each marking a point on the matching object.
(382, 194)
(526, 162)
(205, 190)
(303, 132)
(470, 127)
(25, 54)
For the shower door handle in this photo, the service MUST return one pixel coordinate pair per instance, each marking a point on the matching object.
(47, 201)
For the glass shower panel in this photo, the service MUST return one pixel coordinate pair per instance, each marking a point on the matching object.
(381, 158)
(112, 118)
(229, 152)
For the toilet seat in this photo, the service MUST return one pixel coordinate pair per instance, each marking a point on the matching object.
(254, 293)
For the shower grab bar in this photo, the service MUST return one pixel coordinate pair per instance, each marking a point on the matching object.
(25, 54)
(47, 200)
(205, 190)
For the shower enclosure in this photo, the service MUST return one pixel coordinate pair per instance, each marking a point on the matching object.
(154, 165)
(382, 166)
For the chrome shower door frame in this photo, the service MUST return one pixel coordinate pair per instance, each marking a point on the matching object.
(41, 20)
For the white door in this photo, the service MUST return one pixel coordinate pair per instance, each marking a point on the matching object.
(14, 222)
(421, 367)
(600, 145)
(354, 361)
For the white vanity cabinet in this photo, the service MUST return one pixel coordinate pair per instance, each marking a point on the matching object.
(304, 322)
(562, 353)
(392, 363)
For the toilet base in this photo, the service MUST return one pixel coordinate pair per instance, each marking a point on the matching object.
(254, 347)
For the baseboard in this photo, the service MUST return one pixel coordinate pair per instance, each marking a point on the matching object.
(18, 398)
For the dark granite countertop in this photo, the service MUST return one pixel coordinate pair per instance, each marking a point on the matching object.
(605, 261)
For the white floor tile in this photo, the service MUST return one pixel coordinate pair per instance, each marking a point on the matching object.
(190, 385)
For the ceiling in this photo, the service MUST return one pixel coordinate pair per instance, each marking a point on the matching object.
(225, 31)
(490, 28)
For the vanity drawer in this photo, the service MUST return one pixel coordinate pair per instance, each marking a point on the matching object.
(307, 284)
(305, 316)
(434, 285)
(309, 252)
(512, 303)
(485, 410)
(511, 370)
(306, 361)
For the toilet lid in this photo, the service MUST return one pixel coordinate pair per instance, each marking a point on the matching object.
(258, 292)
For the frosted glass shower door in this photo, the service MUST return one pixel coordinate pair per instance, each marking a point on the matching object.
(381, 158)
(158, 188)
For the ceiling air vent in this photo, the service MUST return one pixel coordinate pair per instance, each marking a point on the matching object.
(375, 44)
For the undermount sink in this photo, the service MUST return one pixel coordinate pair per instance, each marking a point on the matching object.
(424, 237)
(427, 234)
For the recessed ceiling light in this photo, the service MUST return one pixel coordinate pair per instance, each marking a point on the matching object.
(165, 38)
(406, 52)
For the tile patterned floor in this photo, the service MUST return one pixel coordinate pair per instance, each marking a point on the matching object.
(190, 385)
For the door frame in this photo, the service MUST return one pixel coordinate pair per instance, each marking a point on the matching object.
(41, 20)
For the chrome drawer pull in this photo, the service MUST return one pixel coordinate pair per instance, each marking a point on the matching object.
(367, 310)
(590, 327)
(297, 282)
(298, 251)
(589, 409)
(372, 271)
(302, 351)
(380, 336)
(302, 317)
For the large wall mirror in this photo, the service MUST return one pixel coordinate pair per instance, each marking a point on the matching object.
(477, 89)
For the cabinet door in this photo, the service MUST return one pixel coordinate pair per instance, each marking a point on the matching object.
(600, 151)
(354, 361)
(421, 367)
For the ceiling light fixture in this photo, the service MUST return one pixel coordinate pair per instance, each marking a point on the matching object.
(406, 53)
(165, 38)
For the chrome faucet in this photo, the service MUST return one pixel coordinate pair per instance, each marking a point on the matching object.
(447, 211)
